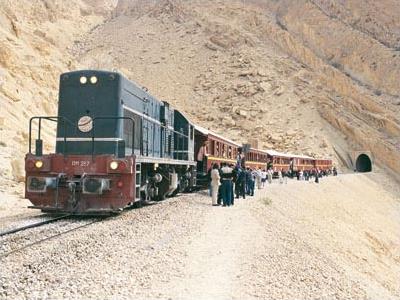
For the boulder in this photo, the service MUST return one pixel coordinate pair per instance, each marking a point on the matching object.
(265, 86)
(228, 121)
(291, 132)
(262, 73)
(243, 113)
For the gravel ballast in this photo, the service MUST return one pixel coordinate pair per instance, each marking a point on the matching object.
(287, 242)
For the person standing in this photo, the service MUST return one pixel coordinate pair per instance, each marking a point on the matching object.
(248, 180)
(270, 172)
(215, 183)
(316, 176)
(234, 182)
(285, 175)
(280, 176)
(252, 181)
(209, 182)
(263, 177)
(242, 184)
(227, 177)
(258, 176)
(201, 155)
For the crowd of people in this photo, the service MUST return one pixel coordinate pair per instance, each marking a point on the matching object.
(229, 182)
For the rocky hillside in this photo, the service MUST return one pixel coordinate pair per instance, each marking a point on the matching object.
(286, 72)
(316, 77)
(34, 37)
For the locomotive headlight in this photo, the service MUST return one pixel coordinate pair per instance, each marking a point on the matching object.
(83, 79)
(38, 164)
(93, 80)
(113, 165)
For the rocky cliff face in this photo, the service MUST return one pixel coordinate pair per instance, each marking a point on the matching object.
(34, 38)
(317, 77)
(353, 46)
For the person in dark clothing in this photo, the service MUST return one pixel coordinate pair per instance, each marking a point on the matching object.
(227, 188)
(250, 181)
(317, 176)
(240, 187)
(234, 179)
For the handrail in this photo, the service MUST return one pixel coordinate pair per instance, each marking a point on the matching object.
(49, 118)
(113, 118)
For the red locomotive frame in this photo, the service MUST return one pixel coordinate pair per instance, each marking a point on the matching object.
(59, 176)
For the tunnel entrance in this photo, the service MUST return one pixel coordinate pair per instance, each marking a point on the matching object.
(363, 163)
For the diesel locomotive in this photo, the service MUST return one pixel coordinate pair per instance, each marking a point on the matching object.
(116, 145)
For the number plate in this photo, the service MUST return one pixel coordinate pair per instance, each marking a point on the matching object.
(80, 163)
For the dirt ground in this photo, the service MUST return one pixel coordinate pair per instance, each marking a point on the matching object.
(334, 240)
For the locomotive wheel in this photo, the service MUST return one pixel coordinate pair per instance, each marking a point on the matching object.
(177, 190)
(137, 204)
(161, 197)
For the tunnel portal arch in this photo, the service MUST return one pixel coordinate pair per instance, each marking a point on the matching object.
(363, 163)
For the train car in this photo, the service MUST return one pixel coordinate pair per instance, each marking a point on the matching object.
(256, 158)
(211, 148)
(278, 161)
(115, 145)
(303, 163)
(323, 164)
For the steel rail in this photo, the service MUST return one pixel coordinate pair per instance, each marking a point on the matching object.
(11, 231)
(2, 255)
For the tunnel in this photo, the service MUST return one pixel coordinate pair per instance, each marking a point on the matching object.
(363, 163)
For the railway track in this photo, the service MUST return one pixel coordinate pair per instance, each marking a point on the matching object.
(43, 237)
(33, 225)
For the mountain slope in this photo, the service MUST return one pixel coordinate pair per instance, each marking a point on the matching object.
(285, 72)
(317, 77)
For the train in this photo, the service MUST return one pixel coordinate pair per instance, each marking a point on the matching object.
(116, 145)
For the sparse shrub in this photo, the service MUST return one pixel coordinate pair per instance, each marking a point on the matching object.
(281, 25)
(266, 201)
(378, 92)
(3, 144)
(336, 65)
